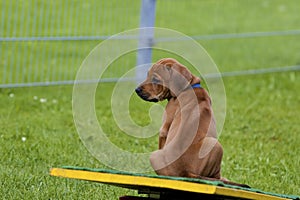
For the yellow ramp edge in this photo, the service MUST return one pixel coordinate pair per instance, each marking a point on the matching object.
(136, 181)
(133, 180)
(244, 194)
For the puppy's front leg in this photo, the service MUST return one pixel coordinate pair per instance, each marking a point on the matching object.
(162, 136)
(167, 121)
(164, 129)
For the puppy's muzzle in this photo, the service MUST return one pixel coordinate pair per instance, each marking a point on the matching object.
(144, 95)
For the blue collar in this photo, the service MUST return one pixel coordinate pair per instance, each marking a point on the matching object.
(197, 85)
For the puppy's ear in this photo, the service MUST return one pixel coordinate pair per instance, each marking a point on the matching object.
(195, 80)
(180, 79)
(187, 74)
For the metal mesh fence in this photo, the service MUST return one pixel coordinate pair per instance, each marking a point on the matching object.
(44, 42)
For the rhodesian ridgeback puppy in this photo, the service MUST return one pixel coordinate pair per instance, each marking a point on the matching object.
(188, 145)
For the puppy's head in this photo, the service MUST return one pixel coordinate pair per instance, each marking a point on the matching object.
(165, 79)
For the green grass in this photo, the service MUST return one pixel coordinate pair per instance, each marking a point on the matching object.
(51, 140)
(260, 139)
(227, 16)
(261, 131)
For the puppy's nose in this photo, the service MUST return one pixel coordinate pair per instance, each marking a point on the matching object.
(138, 90)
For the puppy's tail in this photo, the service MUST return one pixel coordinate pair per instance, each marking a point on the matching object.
(225, 181)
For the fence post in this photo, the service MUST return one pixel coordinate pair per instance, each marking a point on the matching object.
(146, 37)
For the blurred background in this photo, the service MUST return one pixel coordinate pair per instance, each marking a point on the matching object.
(44, 42)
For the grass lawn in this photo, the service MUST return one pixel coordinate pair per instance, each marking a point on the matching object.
(260, 139)
(261, 132)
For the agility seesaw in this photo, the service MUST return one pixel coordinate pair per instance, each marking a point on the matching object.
(165, 187)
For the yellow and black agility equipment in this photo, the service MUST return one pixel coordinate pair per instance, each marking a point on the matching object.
(166, 187)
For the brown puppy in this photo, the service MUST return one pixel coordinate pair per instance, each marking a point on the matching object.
(188, 146)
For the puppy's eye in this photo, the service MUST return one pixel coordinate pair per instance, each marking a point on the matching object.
(155, 80)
